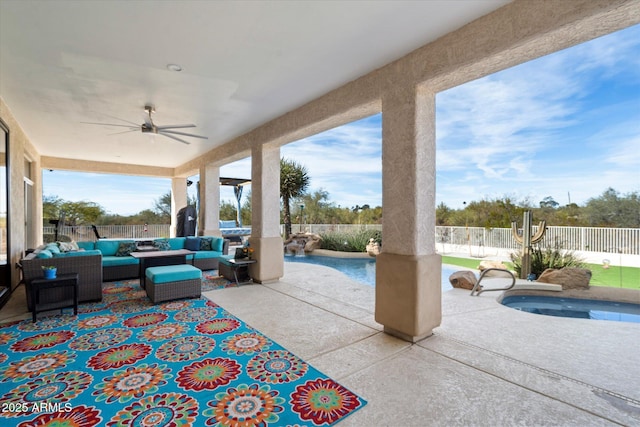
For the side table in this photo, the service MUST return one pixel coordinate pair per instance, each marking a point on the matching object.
(63, 301)
(239, 268)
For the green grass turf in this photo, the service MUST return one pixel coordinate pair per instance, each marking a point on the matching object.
(617, 277)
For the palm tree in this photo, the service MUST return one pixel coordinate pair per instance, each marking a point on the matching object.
(293, 183)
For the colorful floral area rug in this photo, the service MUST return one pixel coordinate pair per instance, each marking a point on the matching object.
(126, 362)
(211, 281)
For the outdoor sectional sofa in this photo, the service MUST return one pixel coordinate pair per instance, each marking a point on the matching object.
(108, 260)
(117, 264)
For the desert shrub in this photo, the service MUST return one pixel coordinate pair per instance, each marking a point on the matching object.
(334, 241)
(350, 242)
(50, 238)
(547, 257)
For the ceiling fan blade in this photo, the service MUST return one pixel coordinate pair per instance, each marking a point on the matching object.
(118, 118)
(109, 124)
(174, 137)
(175, 126)
(125, 131)
(164, 131)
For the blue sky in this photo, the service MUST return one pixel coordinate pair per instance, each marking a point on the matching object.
(566, 125)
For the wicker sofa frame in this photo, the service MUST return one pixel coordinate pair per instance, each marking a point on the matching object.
(191, 288)
(132, 271)
(120, 272)
(88, 267)
(209, 263)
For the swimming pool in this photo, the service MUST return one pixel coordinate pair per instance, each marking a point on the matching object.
(575, 308)
(361, 269)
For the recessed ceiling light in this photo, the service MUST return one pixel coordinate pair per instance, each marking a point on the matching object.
(174, 67)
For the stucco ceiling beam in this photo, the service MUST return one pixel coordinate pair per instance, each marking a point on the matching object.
(57, 163)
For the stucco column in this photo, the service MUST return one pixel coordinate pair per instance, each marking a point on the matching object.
(209, 215)
(265, 215)
(178, 201)
(408, 283)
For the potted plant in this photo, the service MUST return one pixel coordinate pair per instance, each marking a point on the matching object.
(49, 271)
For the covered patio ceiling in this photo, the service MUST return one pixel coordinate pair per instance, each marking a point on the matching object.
(243, 64)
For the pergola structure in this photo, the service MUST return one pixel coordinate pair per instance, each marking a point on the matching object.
(238, 185)
(497, 34)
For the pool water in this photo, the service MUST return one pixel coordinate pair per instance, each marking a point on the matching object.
(575, 308)
(361, 269)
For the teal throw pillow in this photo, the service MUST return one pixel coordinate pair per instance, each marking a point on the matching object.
(125, 248)
(44, 253)
(107, 247)
(177, 243)
(87, 246)
(53, 248)
(217, 243)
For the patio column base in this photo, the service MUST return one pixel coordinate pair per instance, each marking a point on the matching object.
(410, 338)
(268, 252)
(408, 294)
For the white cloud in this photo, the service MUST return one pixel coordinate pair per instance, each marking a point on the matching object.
(568, 123)
(545, 127)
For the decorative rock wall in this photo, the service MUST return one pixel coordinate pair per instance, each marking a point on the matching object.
(306, 242)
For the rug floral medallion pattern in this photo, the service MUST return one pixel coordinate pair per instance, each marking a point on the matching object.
(127, 362)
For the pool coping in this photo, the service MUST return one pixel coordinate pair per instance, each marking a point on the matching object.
(601, 293)
(604, 293)
(338, 254)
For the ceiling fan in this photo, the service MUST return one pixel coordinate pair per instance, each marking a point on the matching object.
(149, 127)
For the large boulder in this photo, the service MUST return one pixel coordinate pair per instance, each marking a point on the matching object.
(485, 265)
(568, 277)
(463, 279)
(373, 247)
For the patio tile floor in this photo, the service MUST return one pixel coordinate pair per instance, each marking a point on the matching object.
(485, 365)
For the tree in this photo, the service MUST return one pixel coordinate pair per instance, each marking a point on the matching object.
(443, 214)
(74, 213)
(246, 210)
(612, 210)
(227, 211)
(497, 213)
(294, 181)
(146, 216)
(162, 206)
(548, 202)
(51, 207)
(316, 207)
(81, 213)
(370, 215)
